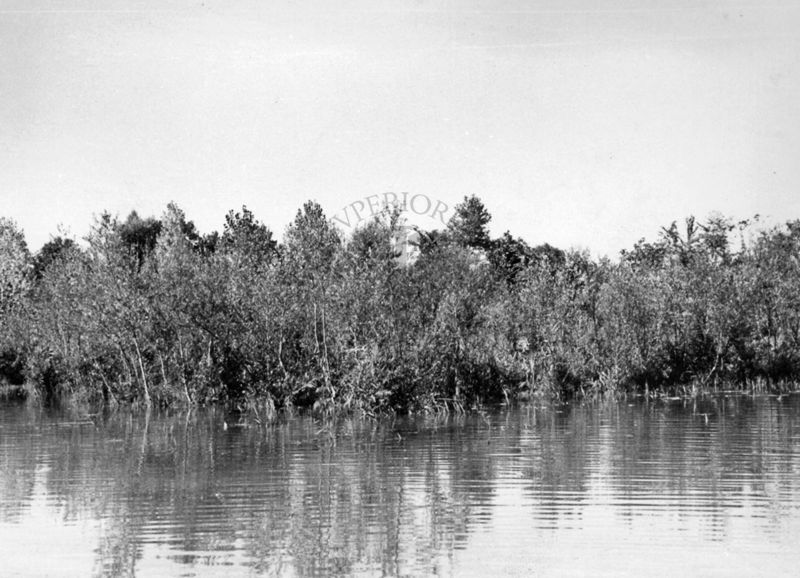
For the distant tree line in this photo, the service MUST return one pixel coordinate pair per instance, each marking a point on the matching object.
(151, 311)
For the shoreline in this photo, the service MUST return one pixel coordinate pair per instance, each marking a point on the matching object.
(261, 411)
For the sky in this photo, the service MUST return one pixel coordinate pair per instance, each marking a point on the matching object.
(581, 124)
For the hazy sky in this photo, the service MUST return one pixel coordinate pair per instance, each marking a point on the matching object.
(578, 123)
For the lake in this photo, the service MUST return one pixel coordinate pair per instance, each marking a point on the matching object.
(668, 488)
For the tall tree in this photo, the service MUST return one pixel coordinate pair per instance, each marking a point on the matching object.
(139, 235)
(468, 225)
(312, 247)
(247, 240)
(14, 263)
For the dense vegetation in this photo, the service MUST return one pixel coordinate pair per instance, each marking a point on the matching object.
(151, 311)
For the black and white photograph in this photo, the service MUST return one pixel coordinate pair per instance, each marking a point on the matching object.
(399, 288)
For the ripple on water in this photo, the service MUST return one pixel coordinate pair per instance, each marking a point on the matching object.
(609, 489)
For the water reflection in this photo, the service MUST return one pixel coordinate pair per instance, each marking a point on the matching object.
(708, 488)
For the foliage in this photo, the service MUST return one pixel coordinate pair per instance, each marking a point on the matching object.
(468, 226)
(14, 264)
(151, 311)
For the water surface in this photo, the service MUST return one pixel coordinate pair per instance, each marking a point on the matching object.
(706, 488)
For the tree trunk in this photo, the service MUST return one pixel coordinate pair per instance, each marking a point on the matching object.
(144, 376)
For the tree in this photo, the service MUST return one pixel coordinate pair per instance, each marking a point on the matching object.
(548, 256)
(139, 235)
(306, 274)
(14, 275)
(510, 256)
(312, 242)
(51, 252)
(247, 240)
(468, 225)
(14, 264)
